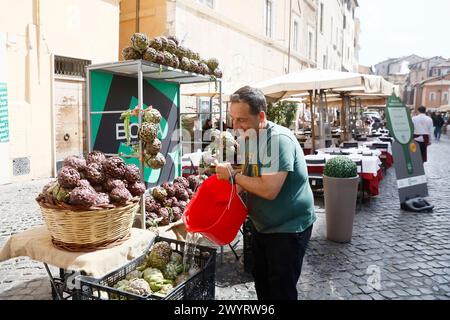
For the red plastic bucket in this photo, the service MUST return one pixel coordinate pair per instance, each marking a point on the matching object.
(216, 211)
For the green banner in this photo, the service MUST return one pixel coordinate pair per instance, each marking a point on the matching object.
(113, 94)
(4, 123)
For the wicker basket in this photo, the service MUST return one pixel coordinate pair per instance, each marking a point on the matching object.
(88, 230)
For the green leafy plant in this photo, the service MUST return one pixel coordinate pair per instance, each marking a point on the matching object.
(282, 113)
(340, 167)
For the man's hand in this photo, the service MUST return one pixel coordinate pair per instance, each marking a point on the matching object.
(223, 170)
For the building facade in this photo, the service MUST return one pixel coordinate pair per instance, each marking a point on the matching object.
(46, 45)
(338, 35)
(435, 92)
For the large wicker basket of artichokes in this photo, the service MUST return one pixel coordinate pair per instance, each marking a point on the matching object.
(93, 202)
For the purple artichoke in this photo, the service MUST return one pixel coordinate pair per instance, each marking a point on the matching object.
(183, 181)
(165, 215)
(115, 167)
(182, 194)
(194, 182)
(84, 197)
(169, 188)
(176, 213)
(137, 188)
(68, 177)
(96, 156)
(78, 163)
(182, 205)
(113, 183)
(120, 196)
(132, 173)
(102, 199)
(94, 173)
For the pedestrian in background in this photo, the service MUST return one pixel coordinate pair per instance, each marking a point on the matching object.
(438, 124)
(423, 129)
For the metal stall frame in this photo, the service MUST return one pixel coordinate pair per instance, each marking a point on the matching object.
(141, 70)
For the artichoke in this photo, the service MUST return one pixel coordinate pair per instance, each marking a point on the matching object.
(132, 173)
(190, 193)
(212, 63)
(164, 42)
(94, 173)
(135, 274)
(181, 52)
(171, 46)
(182, 194)
(156, 44)
(115, 167)
(159, 255)
(111, 184)
(159, 58)
(150, 54)
(84, 197)
(138, 287)
(156, 162)
(193, 65)
(174, 202)
(148, 131)
(159, 193)
(176, 62)
(78, 163)
(167, 58)
(164, 213)
(174, 39)
(137, 188)
(152, 149)
(96, 156)
(172, 270)
(129, 53)
(102, 199)
(152, 275)
(169, 188)
(151, 115)
(151, 205)
(183, 181)
(60, 194)
(176, 258)
(176, 214)
(194, 182)
(68, 177)
(182, 205)
(203, 68)
(139, 42)
(185, 64)
(120, 196)
(218, 73)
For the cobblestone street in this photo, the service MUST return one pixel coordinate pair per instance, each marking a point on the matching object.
(408, 252)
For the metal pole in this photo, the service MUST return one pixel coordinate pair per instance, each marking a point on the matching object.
(313, 131)
(220, 105)
(141, 151)
(88, 108)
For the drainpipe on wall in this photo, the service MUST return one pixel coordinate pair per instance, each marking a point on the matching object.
(138, 4)
(289, 38)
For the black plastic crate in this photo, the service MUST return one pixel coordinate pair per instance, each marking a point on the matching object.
(200, 286)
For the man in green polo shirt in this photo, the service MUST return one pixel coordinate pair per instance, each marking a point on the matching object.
(279, 198)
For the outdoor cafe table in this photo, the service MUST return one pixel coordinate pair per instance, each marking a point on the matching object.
(371, 172)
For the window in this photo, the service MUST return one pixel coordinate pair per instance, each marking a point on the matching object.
(345, 21)
(445, 96)
(432, 96)
(324, 61)
(332, 30)
(209, 3)
(296, 35)
(268, 12)
(321, 17)
(310, 44)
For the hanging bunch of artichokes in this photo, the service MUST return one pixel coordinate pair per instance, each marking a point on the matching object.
(148, 134)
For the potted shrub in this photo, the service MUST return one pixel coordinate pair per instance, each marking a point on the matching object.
(340, 179)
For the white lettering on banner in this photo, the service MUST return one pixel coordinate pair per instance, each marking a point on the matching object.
(413, 181)
(120, 131)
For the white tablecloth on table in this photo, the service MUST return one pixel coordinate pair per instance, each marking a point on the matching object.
(361, 150)
(370, 164)
(370, 143)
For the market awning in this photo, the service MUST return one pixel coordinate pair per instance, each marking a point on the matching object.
(306, 80)
(372, 85)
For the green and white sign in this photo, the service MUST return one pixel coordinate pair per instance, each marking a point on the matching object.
(400, 126)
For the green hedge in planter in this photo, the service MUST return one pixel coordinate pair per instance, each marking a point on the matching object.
(340, 167)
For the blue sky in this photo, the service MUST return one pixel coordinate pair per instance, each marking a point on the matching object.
(395, 28)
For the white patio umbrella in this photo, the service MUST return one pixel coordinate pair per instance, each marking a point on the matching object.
(307, 80)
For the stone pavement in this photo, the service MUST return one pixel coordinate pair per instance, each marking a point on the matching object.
(393, 254)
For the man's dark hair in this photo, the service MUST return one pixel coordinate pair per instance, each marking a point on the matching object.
(422, 109)
(253, 97)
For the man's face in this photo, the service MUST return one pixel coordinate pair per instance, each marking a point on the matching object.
(243, 119)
